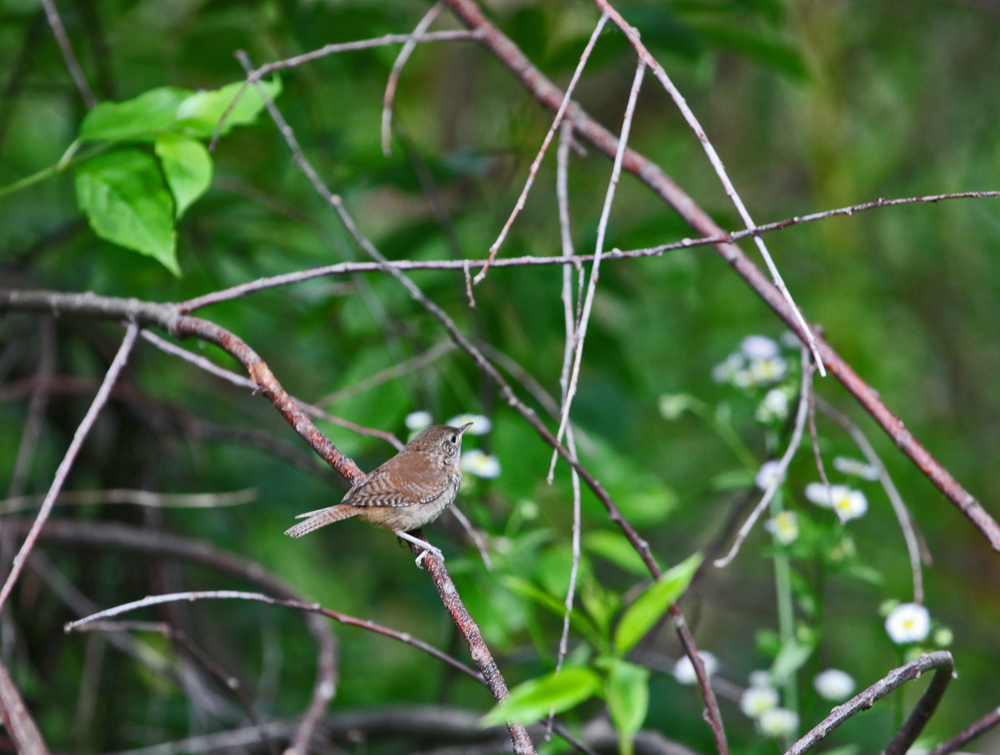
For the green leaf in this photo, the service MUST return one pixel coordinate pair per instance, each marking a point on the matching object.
(734, 479)
(615, 547)
(767, 50)
(579, 622)
(647, 609)
(128, 204)
(139, 119)
(626, 689)
(188, 168)
(532, 700)
(790, 659)
(199, 114)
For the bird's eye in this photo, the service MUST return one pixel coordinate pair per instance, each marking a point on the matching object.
(454, 439)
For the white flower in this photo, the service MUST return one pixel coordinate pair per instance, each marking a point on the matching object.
(768, 370)
(742, 379)
(784, 527)
(760, 678)
(759, 347)
(855, 467)
(849, 503)
(418, 420)
(724, 371)
(475, 462)
(908, 623)
(767, 474)
(789, 339)
(756, 701)
(834, 684)
(684, 669)
(480, 424)
(774, 406)
(778, 722)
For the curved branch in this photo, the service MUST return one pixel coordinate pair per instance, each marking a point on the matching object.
(652, 175)
(942, 664)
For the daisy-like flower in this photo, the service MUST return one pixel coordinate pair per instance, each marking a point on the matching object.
(758, 700)
(418, 420)
(834, 684)
(757, 348)
(778, 722)
(769, 470)
(476, 463)
(773, 407)
(855, 467)
(684, 669)
(847, 502)
(768, 370)
(908, 623)
(784, 527)
(724, 371)
(480, 424)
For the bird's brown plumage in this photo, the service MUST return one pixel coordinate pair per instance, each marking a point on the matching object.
(408, 491)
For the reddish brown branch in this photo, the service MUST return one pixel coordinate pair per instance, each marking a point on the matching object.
(652, 175)
(17, 720)
(970, 732)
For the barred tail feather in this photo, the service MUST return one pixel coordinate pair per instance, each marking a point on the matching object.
(322, 518)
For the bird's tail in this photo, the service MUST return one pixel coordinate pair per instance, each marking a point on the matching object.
(322, 518)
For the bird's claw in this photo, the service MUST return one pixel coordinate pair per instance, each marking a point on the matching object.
(427, 547)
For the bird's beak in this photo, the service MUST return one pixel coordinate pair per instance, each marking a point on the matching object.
(465, 427)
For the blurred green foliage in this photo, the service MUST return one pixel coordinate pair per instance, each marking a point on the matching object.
(812, 105)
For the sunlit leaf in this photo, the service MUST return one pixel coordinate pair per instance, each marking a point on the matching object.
(127, 203)
(790, 659)
(139, 119)
(199, 114)
(647, 609)
(535, 698)
(615, 547)
(187, 166)
(626, 690)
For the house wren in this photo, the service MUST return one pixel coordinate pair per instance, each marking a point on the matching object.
(406, 492)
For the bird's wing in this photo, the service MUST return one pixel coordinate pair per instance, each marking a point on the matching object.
(384, 487)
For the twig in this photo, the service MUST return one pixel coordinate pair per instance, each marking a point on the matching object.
(254, 76)
(720, 170)
(715, 239)
(942, 664)
(137, 497)
(435, 566)
(468, 284)
(782, 468)
(595, 271)
(397, 69)
(814, 438)
(413, 364)
(474, 535)
(52, 14)
(17, 720)
(903, 514)
(533, 170)
(550, 95)
(973, 730)
(74, 448)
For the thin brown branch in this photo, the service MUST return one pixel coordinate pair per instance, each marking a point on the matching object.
(17, 720)
(533, 170)
(52, 14)
(117, 365)
(940, 662)
(805, 391)
(899, 507)
(397, 69)
(413, 364)
(970, 732)
(343, 618)
(550, 95)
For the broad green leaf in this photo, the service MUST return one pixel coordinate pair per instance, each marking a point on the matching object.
(790, 659)
(626, 690)
(767, 50)
(138, 119)
(579, 622)
(199, 114)
(535, 698)
(187, 166)
(647, 609)
(128, 204)
(615, 547)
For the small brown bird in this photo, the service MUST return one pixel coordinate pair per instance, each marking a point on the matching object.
(406, 492)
